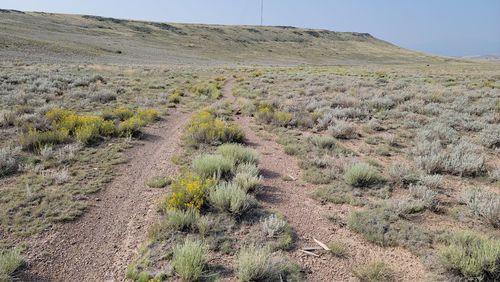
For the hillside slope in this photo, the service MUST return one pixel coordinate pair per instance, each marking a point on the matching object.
(75, 38)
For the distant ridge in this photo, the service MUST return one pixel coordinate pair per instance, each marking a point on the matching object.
(48, 37)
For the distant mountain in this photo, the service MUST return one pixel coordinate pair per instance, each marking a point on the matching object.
(35, 36)
(483, 57)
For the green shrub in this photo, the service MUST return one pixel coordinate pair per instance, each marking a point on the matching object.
(190, 259)
(10, 261)
(238, 153)
(376, 271)
(159, 181)
(255, 264)
(473, 256)
(228, 197)
(215, 166)
(362, 175)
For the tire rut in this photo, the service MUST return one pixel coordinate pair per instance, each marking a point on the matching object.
(102, 242)
(310, 219)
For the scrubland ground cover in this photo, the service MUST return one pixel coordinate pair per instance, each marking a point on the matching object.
(63, 127)
(210, 217)
(412, 151)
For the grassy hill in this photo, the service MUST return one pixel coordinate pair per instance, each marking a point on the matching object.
(48, 37)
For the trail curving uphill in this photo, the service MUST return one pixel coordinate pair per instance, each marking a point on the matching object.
(309, 218)
(99, 245)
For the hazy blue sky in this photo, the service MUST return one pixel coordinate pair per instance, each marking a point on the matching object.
(447, 27)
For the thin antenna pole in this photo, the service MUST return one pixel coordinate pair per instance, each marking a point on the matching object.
(261, 11)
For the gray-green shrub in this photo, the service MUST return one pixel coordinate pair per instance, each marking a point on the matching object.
(238, 153)
(228, 197)
(8, 162)
(362, 175)
(190, 259)
(484, 204)
(215, 166)
(255, 264)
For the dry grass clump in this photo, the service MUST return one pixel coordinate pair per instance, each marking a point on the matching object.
(337, 248)
(10, 261)
(471, 255)
(159, 181)
(376, 271)
(484, 204)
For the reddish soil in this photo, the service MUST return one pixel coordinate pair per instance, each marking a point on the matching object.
(99, 245)
(310, 219)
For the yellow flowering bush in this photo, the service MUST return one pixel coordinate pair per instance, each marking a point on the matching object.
(148, 115)
(122, 113)
(265, 113)
(188, 192)
(282, 118)
(204, 127)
